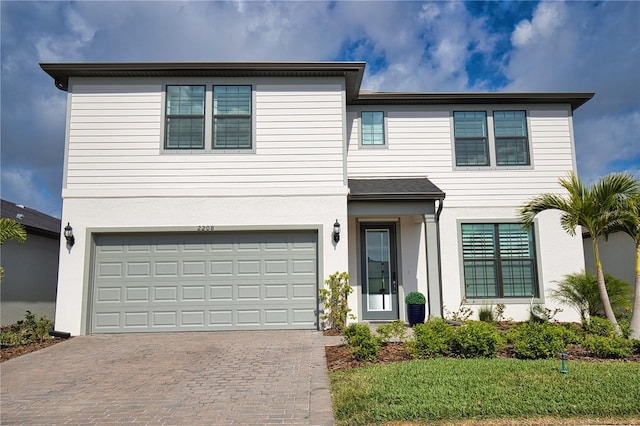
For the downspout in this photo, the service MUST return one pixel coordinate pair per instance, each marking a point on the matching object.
(440, 206)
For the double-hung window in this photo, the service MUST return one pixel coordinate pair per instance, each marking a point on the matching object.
(512, 145)
(232, 117)
(372, 128)
(502, 143)
(498, 261)
(470, 129)
(185, 117)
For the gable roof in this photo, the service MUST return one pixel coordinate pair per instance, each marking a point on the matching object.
(353, 73)
(34, 221)
(403, 189)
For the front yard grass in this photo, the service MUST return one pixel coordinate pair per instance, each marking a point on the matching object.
(445, 390)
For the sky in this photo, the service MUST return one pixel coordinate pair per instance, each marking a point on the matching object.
(442, 46)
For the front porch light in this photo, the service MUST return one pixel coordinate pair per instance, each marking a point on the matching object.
(336, 231)
(68, 234)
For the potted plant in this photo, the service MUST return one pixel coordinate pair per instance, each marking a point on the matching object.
(415, 307)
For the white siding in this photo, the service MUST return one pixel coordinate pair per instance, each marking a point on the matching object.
(420, 143)
(116, 139)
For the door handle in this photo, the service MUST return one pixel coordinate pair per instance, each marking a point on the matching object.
(394, 284)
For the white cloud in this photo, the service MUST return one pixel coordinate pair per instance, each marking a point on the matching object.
(547, 18)
(20, 187)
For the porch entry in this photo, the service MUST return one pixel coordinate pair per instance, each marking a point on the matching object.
(379, 271)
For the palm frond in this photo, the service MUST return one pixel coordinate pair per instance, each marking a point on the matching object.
(11, 230)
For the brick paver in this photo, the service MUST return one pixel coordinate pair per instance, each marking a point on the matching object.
(217, 378)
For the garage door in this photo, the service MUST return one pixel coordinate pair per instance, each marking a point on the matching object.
(212, 281)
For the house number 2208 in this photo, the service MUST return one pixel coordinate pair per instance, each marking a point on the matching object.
(205, 228)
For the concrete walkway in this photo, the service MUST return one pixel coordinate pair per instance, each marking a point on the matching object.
(266, 377)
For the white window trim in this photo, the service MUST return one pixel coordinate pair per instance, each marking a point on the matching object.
(208, 119)
(385, 124)
(493, 160)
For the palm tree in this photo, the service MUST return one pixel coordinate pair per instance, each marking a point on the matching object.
(593, 207)
(10, 230)
(631, 225)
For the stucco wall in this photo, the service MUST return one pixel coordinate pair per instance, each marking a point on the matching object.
(31, 277)
(617, 255)
(185, 215)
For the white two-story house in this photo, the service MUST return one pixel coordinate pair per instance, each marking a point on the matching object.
(220, 196)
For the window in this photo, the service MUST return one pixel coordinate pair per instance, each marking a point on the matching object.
(232, 117)
(498, 261)
(470, 129)
(372, 128)
(512, 146)
(185, 117)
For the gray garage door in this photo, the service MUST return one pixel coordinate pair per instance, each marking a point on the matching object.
(209, 281)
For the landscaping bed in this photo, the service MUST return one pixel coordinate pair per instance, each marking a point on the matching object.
(339, 356)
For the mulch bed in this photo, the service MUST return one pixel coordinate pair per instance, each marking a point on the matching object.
(7, 353)
(339, 357)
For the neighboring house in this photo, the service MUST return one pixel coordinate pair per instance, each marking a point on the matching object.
(31, 268)
(617, 254)
(203, 196)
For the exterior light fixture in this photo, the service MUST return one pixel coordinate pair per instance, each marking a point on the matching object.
(68, 234)
(336, 231)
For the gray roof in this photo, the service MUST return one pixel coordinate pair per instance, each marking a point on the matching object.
(351, 71)
(33, 220)
(404, 189)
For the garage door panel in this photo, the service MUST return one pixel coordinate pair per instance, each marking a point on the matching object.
(222, 281)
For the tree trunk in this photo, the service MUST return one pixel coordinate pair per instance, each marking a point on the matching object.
(602, 288)
(635, 318)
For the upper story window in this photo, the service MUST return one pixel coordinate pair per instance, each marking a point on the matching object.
(470, 129)
(512, 145)
(498, 260)
(502, 143)
(232, 117)
(185, 117)
(372, 129)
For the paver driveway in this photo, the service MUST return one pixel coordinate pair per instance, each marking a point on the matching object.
(266, 377)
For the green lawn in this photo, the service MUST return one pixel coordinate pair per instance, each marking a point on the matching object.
(446, 389)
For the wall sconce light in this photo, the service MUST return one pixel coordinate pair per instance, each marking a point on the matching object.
(336, 231)
(68, 234)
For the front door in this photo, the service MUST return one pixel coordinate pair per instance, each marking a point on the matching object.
(379, 271)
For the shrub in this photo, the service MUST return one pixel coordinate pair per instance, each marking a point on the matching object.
(609, 347)
(363, 344)
(476, 340)
(532, 340)
(636, 346)
(485, 314)
(393, 330)
(461, 315)
(431, 339)
(415, 298)
(571, 333)
(26, 331)
(599, 327)
(580, 290)
(336, 309)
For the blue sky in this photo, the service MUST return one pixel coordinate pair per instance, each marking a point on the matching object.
(438, 46)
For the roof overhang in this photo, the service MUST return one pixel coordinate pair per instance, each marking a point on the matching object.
(394, 189)
(351, 71)
(398, 98)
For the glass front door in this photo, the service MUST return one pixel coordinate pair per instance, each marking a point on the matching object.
(379, 275)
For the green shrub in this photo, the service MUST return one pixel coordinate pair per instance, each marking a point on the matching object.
(532, 340)
(599, 326)
(363, 344)
(26, 331)
(336, 308)
(393, 330)
(485, 314)
(580, 290)
(636, 346)
(571, 333)
(431, 339)
(476, 340)
(609, 347)
(415, 298)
